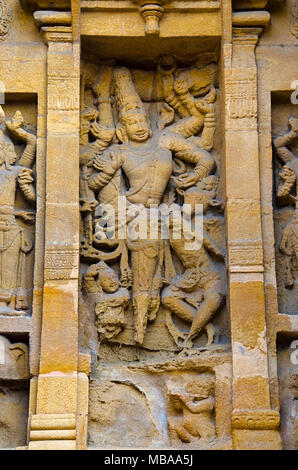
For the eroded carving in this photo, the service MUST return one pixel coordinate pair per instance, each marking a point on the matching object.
(193, 405)
(5, 20)
(14, 360)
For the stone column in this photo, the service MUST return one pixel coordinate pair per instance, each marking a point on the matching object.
(253, 420)
(55, 409)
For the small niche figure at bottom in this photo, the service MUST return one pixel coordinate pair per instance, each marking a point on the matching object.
(112, 299)
(192, 407)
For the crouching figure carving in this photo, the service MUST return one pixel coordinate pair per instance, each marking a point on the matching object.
(194, 406)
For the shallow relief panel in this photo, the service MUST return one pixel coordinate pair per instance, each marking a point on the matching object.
(153, 280)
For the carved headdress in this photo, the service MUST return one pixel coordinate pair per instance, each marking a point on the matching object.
(104, 268)
(127, 98)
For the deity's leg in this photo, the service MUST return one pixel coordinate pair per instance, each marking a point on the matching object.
(172, 299)
(143, 269)
(211, 303)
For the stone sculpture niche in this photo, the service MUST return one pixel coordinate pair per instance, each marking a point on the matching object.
(286, 195)
(15, 240)
(146, 145)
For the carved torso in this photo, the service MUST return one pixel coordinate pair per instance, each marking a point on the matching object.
(148, 171)
(8, 182)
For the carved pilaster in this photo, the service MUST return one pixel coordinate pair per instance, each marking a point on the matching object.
(252, 417)
(54, 422)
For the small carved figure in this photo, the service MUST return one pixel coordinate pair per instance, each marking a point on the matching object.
(15, 241)
(194, 406)
(112, 299)
(197, 294)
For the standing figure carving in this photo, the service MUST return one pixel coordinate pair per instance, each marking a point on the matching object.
(15, 241)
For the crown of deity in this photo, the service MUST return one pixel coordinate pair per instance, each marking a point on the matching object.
(128, 100)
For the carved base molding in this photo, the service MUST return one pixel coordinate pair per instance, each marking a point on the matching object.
(53, 428)
(255, 419)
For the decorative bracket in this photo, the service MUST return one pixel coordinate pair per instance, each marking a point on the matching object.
(151, 12)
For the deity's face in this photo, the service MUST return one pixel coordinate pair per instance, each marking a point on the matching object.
(108, 281)
(137, 127)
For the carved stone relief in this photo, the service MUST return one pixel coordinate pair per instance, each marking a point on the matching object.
(192, 408)
(286, 197)
(146, 142)
(14, 361)
(14, 376)
(173, 403)
(288, 391)
(16, 243)
(294, 21)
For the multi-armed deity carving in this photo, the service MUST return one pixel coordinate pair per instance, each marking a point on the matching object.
(287, 192)
(146, 146)
(16, 241)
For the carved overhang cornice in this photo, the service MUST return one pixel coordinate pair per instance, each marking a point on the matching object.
(124, 5)
(256, 4)
(167, 5)
(151, 11)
